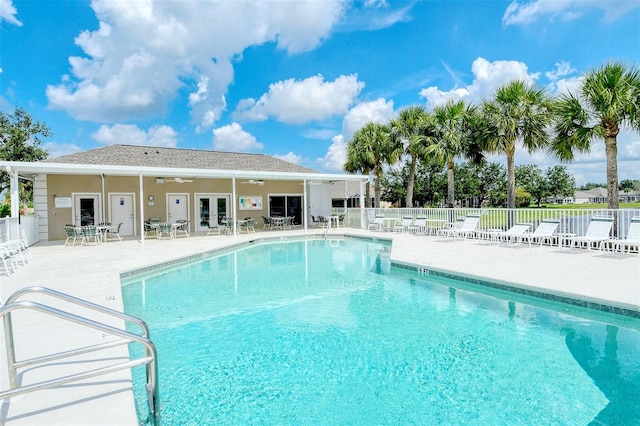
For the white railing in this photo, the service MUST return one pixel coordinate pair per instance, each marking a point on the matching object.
(573, 221)
(15, 228)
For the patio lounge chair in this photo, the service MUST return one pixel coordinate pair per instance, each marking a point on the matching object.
(468, 227)
(404, 225)
(544, 231)
(419, 226)
(513, 234)
(376, 224)
(597, 232)
(633, 237)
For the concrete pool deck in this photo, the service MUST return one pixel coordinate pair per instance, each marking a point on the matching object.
(93, 273)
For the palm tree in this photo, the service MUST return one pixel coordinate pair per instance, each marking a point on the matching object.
(518, 112)
(409, 133)
(608, 99)
(454, 138)
(368, 151)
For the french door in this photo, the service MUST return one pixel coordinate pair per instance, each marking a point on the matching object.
(210, 208)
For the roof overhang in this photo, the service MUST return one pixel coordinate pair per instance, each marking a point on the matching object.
(29, 169)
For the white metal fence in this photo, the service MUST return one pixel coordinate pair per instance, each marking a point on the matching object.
(575, 221)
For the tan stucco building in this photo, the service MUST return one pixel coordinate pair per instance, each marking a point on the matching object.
(129, 184)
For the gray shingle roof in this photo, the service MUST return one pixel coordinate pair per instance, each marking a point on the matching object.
(146, 156)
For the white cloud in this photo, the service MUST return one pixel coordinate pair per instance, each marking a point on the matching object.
(518, 13)
(290, 157)
(563, 68)
(132, 135)
(144, 52)
(488, 76)
(336, 154)
(232, 138)
(293, 101)
(8, 12)
(378, 111)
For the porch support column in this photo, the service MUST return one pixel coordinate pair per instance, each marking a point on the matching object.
(15, 193)
(362, 212)
(141, 209)
(305, 204)
(233, 206)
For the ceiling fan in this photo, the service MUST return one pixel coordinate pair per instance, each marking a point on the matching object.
(180, 180)
(254, 182)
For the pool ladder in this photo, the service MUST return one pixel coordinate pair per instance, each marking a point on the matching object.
(149, 359)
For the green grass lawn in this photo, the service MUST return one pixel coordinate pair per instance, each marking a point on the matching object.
(590, 206)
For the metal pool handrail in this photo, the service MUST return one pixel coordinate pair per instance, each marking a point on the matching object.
(126, 337)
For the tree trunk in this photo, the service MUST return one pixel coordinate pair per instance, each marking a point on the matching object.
(367, 195)
(451, 199)
(412, 177)
(378, 172)
(611, 150)
(511, 176)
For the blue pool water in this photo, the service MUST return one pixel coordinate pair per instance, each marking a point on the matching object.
(325, 332)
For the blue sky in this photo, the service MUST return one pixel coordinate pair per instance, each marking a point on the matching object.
(294, 79)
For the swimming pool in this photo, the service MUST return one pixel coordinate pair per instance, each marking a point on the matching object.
(326, 332)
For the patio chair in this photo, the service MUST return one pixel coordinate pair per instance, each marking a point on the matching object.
(513, 234)
(113, 233)
(597, 232)
(165, 230)
(468, 227)
(545, 231)
(149, 228)
(267, 223)
(89, 234)
(181, 228)
(632, 239)
(214, 228)
(288, 222)
(72, 235)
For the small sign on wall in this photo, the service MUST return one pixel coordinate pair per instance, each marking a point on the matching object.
(63, 202)
(250, 203)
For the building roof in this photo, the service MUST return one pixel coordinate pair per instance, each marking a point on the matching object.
(135, 160)
(593, 192)
(145, 156)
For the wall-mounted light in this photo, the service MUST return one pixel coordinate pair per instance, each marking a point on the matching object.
(159, 180)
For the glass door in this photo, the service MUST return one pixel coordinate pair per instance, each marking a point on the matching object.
(86, 209)
(211, 208)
